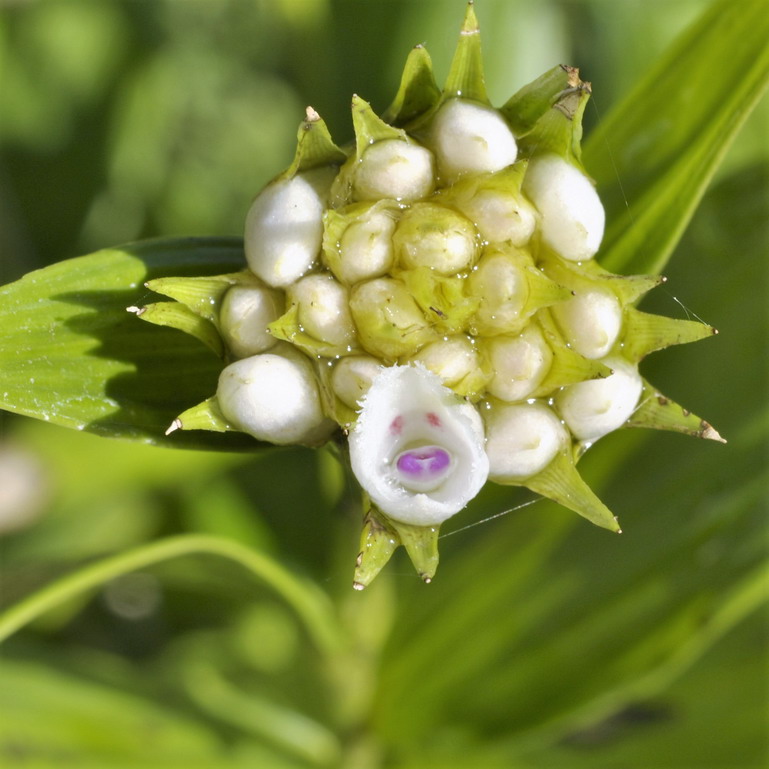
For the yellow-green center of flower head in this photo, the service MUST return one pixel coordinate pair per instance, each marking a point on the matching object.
(430, 293)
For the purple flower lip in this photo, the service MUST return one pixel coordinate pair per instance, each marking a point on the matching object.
(423, 468)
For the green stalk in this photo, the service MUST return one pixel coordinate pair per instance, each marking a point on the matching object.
(311, 605)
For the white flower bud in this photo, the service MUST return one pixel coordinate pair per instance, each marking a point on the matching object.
(430, 235)
(284, 227)
(352, 377)
(522, 440)
(417, 449)
(593, 408)
(323, 309)
(501, 217)
(244, 316)
(394, 169)
(572, 215)
(274, 398)
(470, 138)
(590, 321)
(520, 363)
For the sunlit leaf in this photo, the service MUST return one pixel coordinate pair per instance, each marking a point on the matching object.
(655, 153)
(71, 353)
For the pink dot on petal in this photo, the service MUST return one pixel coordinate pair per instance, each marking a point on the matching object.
(433, 419)
(396, 427)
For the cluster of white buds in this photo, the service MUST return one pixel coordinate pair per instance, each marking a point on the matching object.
(431, 292)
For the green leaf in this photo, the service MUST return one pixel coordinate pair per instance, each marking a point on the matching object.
(569, 625)
(654, 155)
(71, 354)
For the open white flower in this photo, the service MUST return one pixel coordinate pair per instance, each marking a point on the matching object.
(418, 449)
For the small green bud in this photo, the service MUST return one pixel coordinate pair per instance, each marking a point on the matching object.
(357, 240)
(430, 235)
(389, 321)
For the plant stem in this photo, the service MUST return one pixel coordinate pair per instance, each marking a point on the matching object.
(310, 603)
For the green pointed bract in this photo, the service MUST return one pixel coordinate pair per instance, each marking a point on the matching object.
(382, 536)
(314, 147)
(179, 316)
(418, 92)
(421, 543)
(524, 108)
(559, 129)
(628, 288)
(204, 416)
(466, 77)
(568, 367)
(369, 127)
(202, 295)
(441, 298)
(658, 412)
(561, 482)
(378, 542)
(644, 333)
(543, 292)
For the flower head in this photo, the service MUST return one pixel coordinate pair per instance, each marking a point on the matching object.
(437, 299)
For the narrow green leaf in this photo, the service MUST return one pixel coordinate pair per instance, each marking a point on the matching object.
(71, 354)
(654, 155)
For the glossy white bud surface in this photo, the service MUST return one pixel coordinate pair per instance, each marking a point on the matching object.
(394, 169)
(468, 137)
(274, 398)
(284, 227)
(244, 316)
(591, 322)
(596, 407)
(572, 216)
(521, 440)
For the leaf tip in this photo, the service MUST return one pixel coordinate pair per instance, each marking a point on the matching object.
(138, 311)
(174, 426)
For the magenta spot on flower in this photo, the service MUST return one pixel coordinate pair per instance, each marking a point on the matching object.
(425, 462)
(433, 419)
(396, 426)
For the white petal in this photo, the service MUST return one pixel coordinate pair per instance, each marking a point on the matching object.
(596, 407)
(417, 449)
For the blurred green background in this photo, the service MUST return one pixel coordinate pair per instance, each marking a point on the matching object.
(543, 642)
